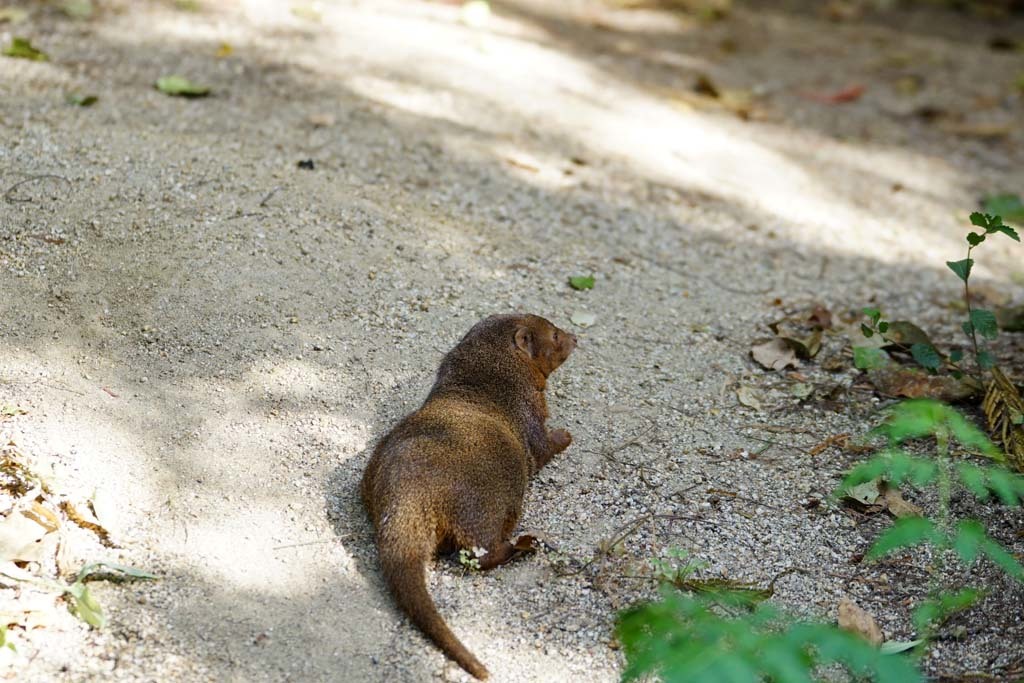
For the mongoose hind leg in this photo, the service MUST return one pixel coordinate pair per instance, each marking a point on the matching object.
(557, 441)
(508, 551)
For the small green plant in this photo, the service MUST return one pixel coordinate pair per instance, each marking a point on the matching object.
(676, 568)
(4, 640)
(980, 322)
(81, 602)
(965, 539)
(470, 558)
(728, 636)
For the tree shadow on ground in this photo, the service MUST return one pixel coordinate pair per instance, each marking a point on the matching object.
(242, 263)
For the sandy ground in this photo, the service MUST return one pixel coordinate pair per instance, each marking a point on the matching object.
(208, 338)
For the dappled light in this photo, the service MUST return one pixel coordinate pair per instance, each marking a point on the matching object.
(218, 291)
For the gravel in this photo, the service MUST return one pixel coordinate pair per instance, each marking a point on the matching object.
(211, 336)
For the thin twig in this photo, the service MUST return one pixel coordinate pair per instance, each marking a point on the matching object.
(266, 198)
(296, 545)
(31, 179)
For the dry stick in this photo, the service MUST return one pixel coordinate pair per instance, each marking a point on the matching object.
(296, 545)
(266, 198)
(31, 179)
(628, 529)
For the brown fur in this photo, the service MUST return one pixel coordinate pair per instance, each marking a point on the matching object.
(452, 475)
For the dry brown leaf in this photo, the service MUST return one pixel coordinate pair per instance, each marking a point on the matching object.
(748, 396)
(321, 120)
(21, 537)
(892, 499)
(985, 131)
(855, 620)
(83, 521)
(898, 381)
(774, 355)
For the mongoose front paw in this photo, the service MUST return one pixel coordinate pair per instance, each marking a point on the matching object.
(560, 439)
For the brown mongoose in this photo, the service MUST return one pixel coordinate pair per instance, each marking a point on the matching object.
(452, 474)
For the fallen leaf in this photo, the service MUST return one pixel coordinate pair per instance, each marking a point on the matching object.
(7, 410)
(985, 130)
(583, 319)
(21, 536)
(81, 100)
(906, 333)
(774, 355)
(893, 501)
(820, 316)
(77, 9)
(850, 93)
(12, 15)
(898, 381)
(22, 49)
(892, 647)
(224, 50)
(180, 86)
(84, 606)
(868, 358)
(855, 620)
(801, 390)
(580, 282)
(748, 396)
(866, 494)
(705, 86)
(307, 12)
(321, 120)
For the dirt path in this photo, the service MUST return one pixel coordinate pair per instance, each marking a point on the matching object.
(209, 337)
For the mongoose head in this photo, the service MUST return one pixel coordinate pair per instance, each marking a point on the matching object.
(542, 344)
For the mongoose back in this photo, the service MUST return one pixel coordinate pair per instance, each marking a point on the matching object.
(452, 474)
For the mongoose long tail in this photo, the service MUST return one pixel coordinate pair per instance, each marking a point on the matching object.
(404, 573)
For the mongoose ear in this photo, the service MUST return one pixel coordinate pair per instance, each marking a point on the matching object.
(524, 340)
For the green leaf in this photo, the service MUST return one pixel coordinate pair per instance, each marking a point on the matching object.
(937, 610)
(180, 86)
(119, 571)
(866, 331)
(872, 313)
(1003, 559)
(926, 356)
(892, 647)
(905, 532)
(883, 326)
(974, 239)
(22, 49)
(968, 328)
(77, 9)
(868, 358)
(956, 356)
(961, 268)
(984, 323)
(1008, 231)
(580, 282)
(82, 100)
(986, 361)
(84, 606)
(980, 220)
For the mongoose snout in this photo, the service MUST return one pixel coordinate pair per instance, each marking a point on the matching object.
(453, 473)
